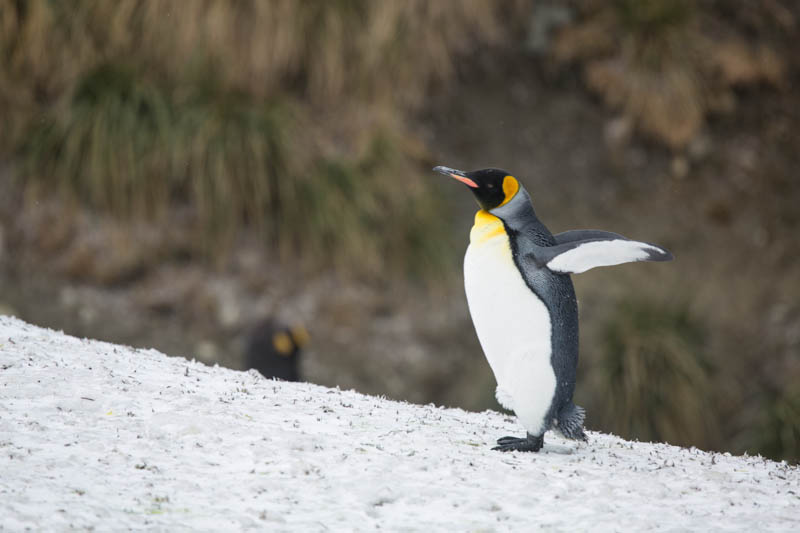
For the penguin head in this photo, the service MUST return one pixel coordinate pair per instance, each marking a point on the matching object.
(492, 187)
(274, 348)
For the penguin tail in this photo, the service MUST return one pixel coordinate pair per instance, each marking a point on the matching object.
(570, 422)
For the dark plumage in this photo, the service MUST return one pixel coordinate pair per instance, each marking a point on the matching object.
(274, 350)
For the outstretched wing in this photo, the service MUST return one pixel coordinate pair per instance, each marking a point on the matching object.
(585, 234)
(580, 250)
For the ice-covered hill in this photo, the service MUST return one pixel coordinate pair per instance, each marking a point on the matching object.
(94, 435)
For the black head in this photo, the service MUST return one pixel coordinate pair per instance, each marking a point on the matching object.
(274, 350)
(492, 187)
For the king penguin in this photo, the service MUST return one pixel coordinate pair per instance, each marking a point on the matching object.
(523, 305)
(274, 349)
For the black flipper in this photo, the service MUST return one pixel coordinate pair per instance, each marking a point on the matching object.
(574, 254)
(585, 235)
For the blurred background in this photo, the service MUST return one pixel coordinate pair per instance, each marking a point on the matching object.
(184, 175)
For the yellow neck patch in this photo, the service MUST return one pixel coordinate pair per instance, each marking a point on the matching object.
(300, 335)
(486, 227)
(510, 189)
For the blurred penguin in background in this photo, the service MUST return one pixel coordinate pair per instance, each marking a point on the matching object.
(274, 350)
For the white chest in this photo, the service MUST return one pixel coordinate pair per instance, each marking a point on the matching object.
(512, 323)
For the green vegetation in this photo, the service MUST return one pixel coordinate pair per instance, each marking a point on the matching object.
(667, 65)
(655, 375)
(104, 149)
(779, 431)
(658, 380)
(133, 148)
(654, 16)
(289, 123)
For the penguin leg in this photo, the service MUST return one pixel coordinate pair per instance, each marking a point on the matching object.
(528, 443)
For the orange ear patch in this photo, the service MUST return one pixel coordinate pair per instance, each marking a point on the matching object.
(300, 335)
(282, 343)
(510, 188)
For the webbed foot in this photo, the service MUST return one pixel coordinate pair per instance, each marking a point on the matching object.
(524, 444)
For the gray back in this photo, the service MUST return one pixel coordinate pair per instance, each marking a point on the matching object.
(526, 233)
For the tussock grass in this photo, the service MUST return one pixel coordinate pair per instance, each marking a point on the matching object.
(130, 147)
(284, 116)
(779, 431)
(102, 149)
(667, 64)
(656, 377)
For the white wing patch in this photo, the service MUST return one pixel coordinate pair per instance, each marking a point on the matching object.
(600, 253)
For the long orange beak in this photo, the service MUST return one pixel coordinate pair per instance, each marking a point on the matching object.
(456, 174)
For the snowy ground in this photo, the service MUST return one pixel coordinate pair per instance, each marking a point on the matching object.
(94, 435)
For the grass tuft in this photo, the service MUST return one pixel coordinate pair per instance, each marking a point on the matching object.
(102, 149)
(140, 150)
(779, 431)
(657, 63)
(656, 375)
(282, 116)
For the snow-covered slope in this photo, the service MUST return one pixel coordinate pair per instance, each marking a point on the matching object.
(98, 435)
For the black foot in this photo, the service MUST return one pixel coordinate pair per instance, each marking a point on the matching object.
(524, 444)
